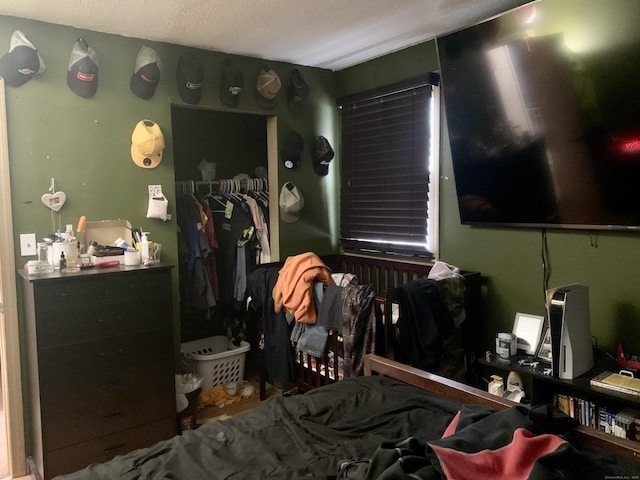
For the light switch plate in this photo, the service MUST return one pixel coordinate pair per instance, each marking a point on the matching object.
(155, 191)
(28, 244)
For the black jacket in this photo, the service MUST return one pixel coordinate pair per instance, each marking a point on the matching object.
(423, 323)
(278, 354)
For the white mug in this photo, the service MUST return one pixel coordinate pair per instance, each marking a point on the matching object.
(131, 257)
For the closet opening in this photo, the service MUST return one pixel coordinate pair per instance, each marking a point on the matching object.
(225, 167)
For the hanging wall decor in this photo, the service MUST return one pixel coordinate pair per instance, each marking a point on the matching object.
(54, 200)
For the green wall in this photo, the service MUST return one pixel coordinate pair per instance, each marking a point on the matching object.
(84, 144)
(510, 259)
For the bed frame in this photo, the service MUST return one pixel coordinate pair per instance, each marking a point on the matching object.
(375, 364)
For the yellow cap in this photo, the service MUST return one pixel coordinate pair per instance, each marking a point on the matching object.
(147, 144)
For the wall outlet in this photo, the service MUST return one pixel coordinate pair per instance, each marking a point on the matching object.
(28, 244)
(155, 191)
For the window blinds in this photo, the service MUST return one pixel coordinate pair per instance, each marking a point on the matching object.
(384, 168)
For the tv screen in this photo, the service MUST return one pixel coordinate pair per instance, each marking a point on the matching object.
(543, 111)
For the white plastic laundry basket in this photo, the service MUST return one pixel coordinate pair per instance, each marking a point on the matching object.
(217, 360)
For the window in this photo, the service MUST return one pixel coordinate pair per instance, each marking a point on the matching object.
(389, 161)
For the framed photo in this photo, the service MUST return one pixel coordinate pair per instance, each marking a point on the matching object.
(528, 328)
(544, 352)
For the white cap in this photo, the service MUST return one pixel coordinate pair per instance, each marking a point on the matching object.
(291, 202)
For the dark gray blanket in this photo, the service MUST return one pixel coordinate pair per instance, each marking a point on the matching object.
(313, 435)
(304, 436)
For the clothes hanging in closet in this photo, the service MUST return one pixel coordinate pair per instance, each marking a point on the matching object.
(197, 244)
(223, 235)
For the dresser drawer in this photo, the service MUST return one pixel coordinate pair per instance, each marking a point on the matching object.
(104, 361)
(93, 388)
(73, 322)
(108, 397)
(76, 385)
(88, 289)
(78, 456)
(108, 414)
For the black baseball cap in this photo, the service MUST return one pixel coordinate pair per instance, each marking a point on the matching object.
(82, 75)
(22, 62)
(322, 155)
(189, 76)
(146, 73)
(292, 148)
(297, 92)
(231, 83)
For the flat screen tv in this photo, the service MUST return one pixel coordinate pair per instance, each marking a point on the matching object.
(543, 112)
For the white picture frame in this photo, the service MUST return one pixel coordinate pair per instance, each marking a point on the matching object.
(528, 329)
(544, 350)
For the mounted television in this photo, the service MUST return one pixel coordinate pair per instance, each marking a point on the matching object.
(543, 111)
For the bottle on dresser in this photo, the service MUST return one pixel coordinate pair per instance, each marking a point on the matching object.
(70, 250)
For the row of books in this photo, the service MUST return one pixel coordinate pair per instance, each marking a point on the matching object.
(621, 422)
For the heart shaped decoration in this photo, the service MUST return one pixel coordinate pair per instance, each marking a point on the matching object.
(54, 201)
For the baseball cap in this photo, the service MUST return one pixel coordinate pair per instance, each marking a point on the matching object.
(268, 87)
(231, 84)
(147, 144)
(190, 74)
(82, 76)
(146, 73)
(22, 62)
(292, 148)
(298, 92)
(322, 155)
(291, 202)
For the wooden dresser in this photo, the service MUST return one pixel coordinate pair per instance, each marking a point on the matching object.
(101, 364)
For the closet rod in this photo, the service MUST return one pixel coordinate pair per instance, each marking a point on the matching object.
(258, 184)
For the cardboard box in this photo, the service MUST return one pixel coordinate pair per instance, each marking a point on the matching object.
(105, 232)
(109, 258)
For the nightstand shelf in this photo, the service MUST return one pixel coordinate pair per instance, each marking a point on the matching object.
(544, 386)
(541, 388)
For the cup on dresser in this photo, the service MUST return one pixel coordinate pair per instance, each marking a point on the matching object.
(131, 257)
(505, 346)
(155, 250)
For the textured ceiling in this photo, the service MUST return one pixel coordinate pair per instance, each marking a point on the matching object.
(332, 34)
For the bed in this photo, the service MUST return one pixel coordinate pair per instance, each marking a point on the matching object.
(393, 422)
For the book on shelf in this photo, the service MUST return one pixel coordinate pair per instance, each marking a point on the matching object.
(617, 382)
(620, 422)
(582, 410)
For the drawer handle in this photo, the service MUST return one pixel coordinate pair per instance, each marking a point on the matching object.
(110, 451)
(114, 416)
(113, 383)
(111, 354)
(73, 293)
(106, 319)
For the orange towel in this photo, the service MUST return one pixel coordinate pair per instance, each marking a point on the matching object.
(294, 288)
